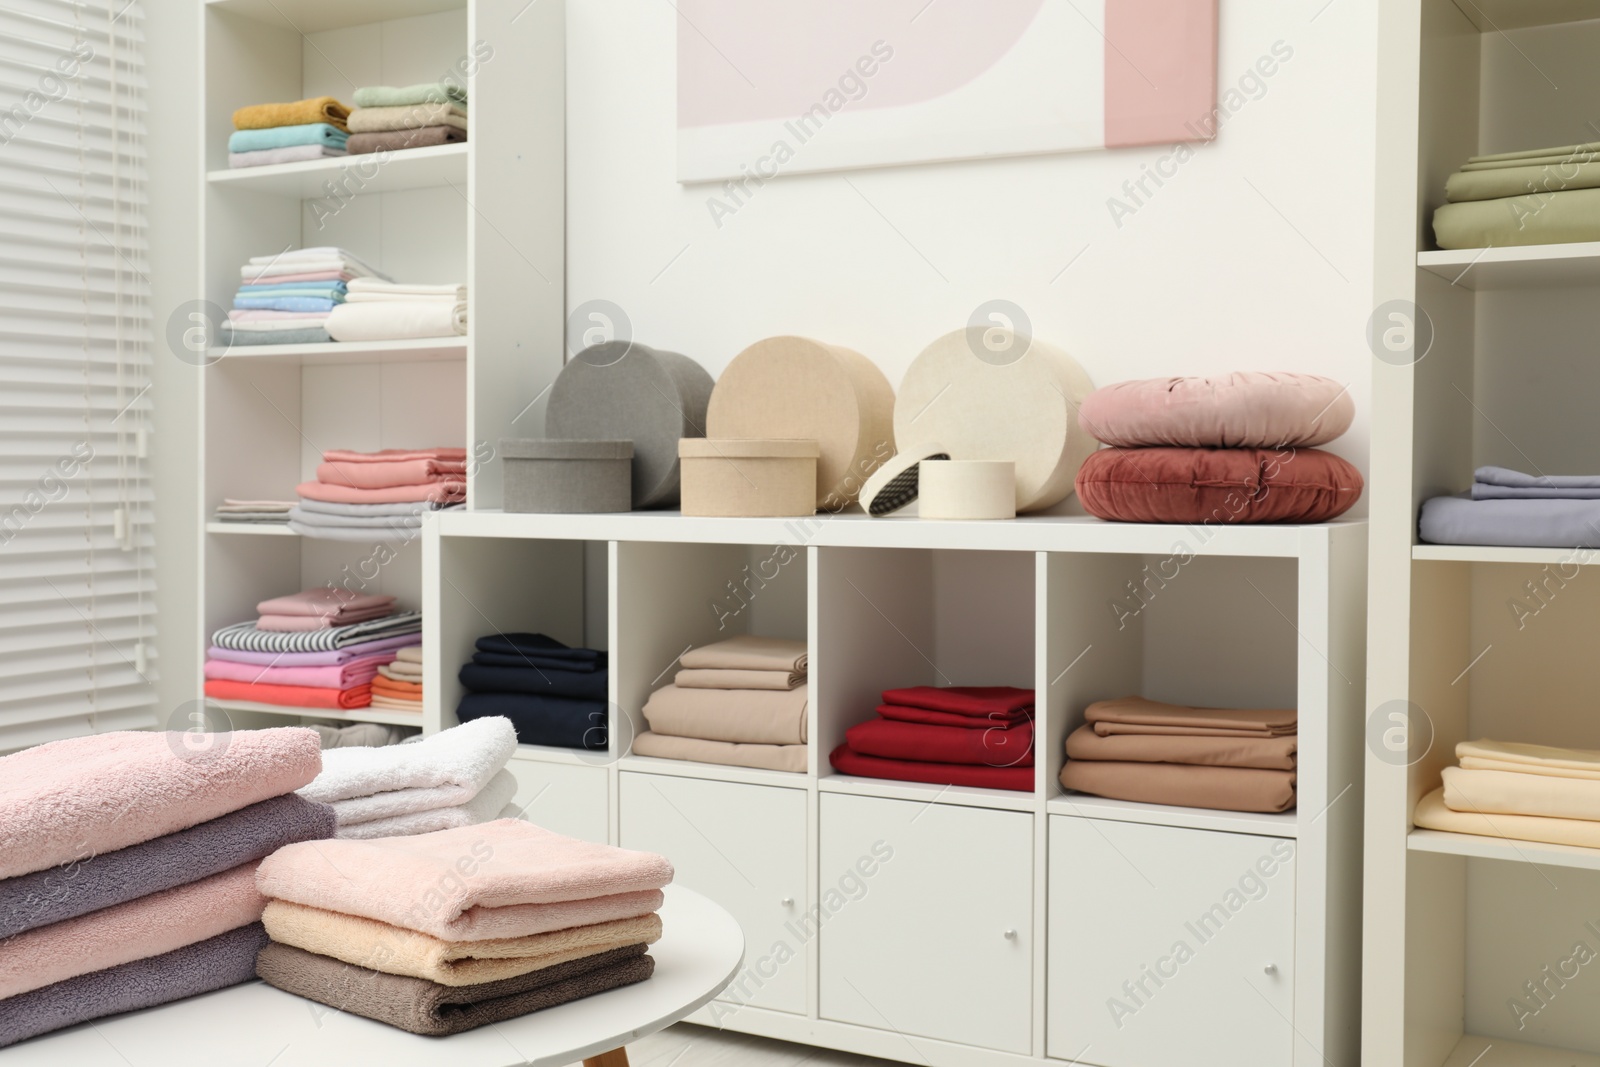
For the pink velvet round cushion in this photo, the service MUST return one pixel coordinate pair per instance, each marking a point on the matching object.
(1217, 485)
(1247, 409)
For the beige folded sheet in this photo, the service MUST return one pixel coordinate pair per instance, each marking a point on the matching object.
(406, 117)
(742, 716)
(1488, 755)
(1224, 788)
(748, 653)
(1433, 814)
(728, 754)
(1511, 793)
(1263, 753)
(393, 950)
(708, 678)
(1177, 718)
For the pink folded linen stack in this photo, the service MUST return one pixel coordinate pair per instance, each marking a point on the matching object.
(363, 496)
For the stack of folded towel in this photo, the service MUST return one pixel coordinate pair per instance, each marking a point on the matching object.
(288, 133)
(287, 298)
(1533, 197)
(946, 735)
(1517, 791)
(554, 695)
(254, 512)
(1142, 750)
(398, 685)
(449, 931)
(127, 878)
(453, 778)
(1507, 507)
(362, 496)
(740, 702)
(361, 734)
(390, 119)
(320, 648)
(378, 310)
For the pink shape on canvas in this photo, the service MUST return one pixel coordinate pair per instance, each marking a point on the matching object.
(1161, 71)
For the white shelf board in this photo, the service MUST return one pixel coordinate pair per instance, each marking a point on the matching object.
(410, 168)
(1497, 848)
(409, 350)
(381, 716)
(1521, 267)
(1476, 1051)
(568, 757)
(714, 772)
(1492, 16)
(926, 793)
(251, 529)
(1083, 806)
(1500, 554)
(314, 16)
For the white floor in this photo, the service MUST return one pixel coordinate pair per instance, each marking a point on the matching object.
(701, 1046)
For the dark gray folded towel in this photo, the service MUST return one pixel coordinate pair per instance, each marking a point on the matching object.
(96, 882)
(214, 963)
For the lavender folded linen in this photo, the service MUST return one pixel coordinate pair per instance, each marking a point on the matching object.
(112, 878)
(332, 657)
(1543, 523)
(298, 153)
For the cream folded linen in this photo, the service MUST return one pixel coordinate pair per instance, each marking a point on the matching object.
(406, 672)
(1486, 755)
(765, 757)
(1433, 814)
(397, 320)
(482, 808)
(376, 289)
(406, 117)
(740, 716)
(395, 950)
(732, 679)
(392, 704)
(748, 653)
(1509, 793)
(409, 654)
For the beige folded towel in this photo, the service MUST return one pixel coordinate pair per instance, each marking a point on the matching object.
(732, 679)
(406, 117)
(748, 653)
(1264, 753)
(408, 654)
(1179, 719)
(764, 757)
(393, 950)
(742, 716)
(1433, 814)
(1488, 755)
(1510, 793)
(1224, 788)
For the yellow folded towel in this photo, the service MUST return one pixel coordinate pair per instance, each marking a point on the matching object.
(1432, 814)
(1529, 759)
(299, 113)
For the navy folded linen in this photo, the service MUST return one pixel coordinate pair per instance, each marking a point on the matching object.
(528, 644)
(542, 681)
(95, 882)
(559, 722)
(214, 963)
(531, 659)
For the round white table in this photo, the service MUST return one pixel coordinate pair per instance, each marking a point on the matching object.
(255, 1025)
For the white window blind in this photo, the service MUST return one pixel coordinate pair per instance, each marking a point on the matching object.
(76, 582)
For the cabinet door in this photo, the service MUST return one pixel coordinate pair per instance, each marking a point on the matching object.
(1169, 946)
(569, 800)
(925, 913)
(744, 846)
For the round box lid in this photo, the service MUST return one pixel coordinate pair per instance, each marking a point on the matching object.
(897, 483)
(551, 448)
(1022, 408)
(626, 390)
(746, 448)
(793, 387)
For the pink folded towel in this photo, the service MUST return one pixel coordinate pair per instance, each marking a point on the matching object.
(75, 798)
(395, 455)
(329, 676)
(143, 927)
(506, 878)
(257, 278)
(323, 601)
(384, 475)
(434, 492)
(299, 623)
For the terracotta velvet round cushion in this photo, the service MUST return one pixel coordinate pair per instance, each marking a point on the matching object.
(1248, 409)
(1217, 485)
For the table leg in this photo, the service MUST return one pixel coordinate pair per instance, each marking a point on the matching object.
(617, 1057)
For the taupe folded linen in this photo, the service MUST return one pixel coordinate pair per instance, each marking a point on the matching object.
(748, 653)
(742, 716)
(734, 679)
(1465, 185)
(1139, 712)
(394, 950)
(406, 117)
(1433, 814)
(1224, 788)
(1544, 760)
(435, 1010)
(1534, 219)
(1263, 753)
(1510, 793)
(728, 754)
(399, 140)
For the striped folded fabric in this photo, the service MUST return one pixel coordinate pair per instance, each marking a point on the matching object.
(247, 637)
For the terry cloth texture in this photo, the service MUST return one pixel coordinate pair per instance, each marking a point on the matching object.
(488, 804)
(298, 113)
(72, 799)
(215, 963)
(283, 136)
(1225, 788)
(506, 878)
(767, 757)
(406, 117)
(997, 747)
(450, 767)
(977, 700)
(247, 637)
(558, 722)
(361, 144)
(1138, 715)
(1263, 753)
(749, 717)
(845, 761)
(735, 679)
(380, 946)
(401, 95)
(112, 878)
(145, 926)
(748, 653)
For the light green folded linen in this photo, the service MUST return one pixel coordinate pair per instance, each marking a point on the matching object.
(1517, 181)
(397, 96)
(406, 117)
(1535, 219)
(1556, 160)
(1517, 158)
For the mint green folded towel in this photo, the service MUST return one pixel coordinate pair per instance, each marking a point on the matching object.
(285, 136)
(426, 93)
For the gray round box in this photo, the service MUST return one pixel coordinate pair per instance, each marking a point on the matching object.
(568, 477)
(623, 390)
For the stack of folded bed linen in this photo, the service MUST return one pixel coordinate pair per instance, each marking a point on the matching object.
(128, 874)
(1154, 753)
(366, 496)
(448, 931)
(398, 685)
(950, 735)
(1533, 197)
(320, 648)
(361, 734)
(287, 298)
(1519, 792)
(741, 702)
(454, 778)
(288, 133)
(552, 694)
(254, 512)
(393, 119)
(1510, 508)
(380, 310)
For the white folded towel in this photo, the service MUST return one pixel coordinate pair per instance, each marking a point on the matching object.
(393, 320)
(375, 289)
(448, 769)
(484, 807)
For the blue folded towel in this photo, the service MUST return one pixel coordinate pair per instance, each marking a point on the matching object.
(323, 293)
(257, 288)
(285, 303)
(284, 136)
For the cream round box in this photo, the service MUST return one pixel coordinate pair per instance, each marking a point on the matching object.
(967, 489)
(549, 476)
(748, 477)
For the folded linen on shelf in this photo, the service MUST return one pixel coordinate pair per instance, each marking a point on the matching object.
(300, 623)
(1541, 175)
(1138, 715)
(406, 117)
(790, 758)
(1264, 753)
(257, 517)
(385, 475)
(306, 335)
(486, 806)
(1515, 793)
(324, 602)
(1501, 483)
(342, 264)
(290, 320)
(290, 696)
(413, 521)
(377, 289)
(446, 768)
(397, 320)
(1534, 219)
(295, 113)
(230, 504)
(409, 655)
(381, 701)
(542, 661)
(361, 144)
(544, 681)
(332, 290)
(847, 761)
(434, 1010)
(360, 735)
(1224, 788)
(402, 95)
(367, 511)
(978, 700)
(1548, 760)
(748, 653)
(330, 676)
(1543, 523)
(282, 303)
(1434, 814)
(538, 881)
(67, 800)
(247, 637)
(317, 658)
(735, 679)
(299, 153)
(432, 492)
(284, 136)
(396, 688)
(755, 717)
(538, 646)
(988, 721)
(300, 276)
(557, 722)
(395, 455)
(402, 672)
(1000, 747)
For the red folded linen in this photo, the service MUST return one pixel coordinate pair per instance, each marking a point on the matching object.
(434, 492)
(323, 600)
(846, 761)
(387, 474)
(395, 455)
(293, 696)
(299, 623)
(995, 747)
(963, 699)
(901, 713)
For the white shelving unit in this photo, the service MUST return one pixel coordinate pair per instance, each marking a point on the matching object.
(1461, 929)
(1019, 914)
(489, 212)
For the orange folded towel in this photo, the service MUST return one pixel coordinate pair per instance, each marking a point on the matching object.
(297, 113)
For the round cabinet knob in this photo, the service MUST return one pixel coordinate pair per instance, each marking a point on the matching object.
(1010, 935)
(1271, 968)
(787, 902)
